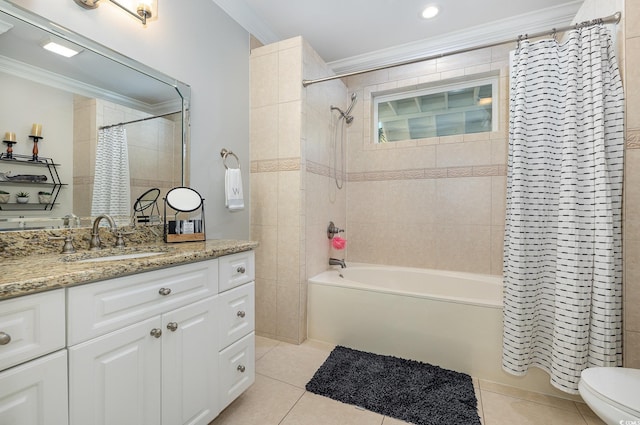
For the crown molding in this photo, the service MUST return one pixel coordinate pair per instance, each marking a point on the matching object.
(239, 11)
(493, 32)
(41, 76)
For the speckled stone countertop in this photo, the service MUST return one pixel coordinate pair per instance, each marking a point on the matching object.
(41, 271)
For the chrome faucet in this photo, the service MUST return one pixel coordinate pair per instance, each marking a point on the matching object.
(337, 262)
(95, 243)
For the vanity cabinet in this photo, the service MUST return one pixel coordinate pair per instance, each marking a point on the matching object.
(144, 348)
(33, 360)
(172, 346)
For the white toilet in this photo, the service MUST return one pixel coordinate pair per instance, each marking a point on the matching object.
(613, 393)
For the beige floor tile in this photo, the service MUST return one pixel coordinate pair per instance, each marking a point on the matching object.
(594, 420)
(266, 402)
(264, 345)
(393, 421)
(476, 389)
(294, 364)
(585, 410)
(545, 399)
(315, 409)
(505, 410)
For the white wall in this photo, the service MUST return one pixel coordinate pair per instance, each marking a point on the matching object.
(197, 43)
(54, 110)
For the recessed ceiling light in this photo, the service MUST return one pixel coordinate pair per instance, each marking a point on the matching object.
(65, 51)
(430, 12)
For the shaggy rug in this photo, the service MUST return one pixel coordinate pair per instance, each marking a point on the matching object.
(409, 390)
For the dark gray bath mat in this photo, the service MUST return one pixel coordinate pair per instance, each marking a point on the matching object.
(404, 389)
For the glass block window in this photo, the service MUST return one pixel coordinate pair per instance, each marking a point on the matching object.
(462, 108)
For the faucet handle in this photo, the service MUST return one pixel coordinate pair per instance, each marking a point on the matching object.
(68, 247)
(119, 237)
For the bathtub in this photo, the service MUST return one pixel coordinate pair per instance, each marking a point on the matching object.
(449, 319)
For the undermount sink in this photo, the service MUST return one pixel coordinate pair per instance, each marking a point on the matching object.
(114, 254)
(121, 257)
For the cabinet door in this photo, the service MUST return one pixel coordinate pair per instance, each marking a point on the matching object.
(115, 379)
(189, 366)
(35, 393)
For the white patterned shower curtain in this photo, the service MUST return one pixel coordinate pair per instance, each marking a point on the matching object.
(111, 191)
(563, 248)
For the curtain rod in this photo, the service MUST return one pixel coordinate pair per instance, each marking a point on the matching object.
(141, 119)
(615, 18)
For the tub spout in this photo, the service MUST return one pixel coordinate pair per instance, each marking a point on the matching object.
(337, 262)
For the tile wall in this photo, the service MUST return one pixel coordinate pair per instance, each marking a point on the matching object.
(631, 235)
(291, 198)
(436, 202)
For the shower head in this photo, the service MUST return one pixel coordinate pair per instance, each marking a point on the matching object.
(345, 114)
(354, 98)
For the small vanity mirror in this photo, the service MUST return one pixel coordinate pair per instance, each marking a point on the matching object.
(188, 222)
(145, 206)
(184, 199)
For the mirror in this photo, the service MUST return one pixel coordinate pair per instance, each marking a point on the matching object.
(184, 199)
(145, 205)
(75, 100)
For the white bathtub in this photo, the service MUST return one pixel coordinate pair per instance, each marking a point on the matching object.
(449, 319)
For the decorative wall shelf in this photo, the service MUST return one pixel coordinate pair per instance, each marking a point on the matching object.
(53, 186)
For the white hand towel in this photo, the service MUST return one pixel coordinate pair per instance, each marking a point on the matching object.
(233, 189)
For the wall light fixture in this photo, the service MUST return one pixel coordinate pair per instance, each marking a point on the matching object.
(139, 9)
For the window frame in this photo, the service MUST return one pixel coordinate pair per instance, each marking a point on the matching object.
(412, 92)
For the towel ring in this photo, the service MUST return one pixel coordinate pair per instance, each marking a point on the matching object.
(224, 153)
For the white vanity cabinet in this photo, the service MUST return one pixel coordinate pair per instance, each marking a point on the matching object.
(236, 325)
(33, 361)
(142, 348)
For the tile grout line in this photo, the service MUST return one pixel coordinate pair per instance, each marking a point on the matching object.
(291, 408)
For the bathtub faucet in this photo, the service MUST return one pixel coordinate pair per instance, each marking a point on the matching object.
(336, 262)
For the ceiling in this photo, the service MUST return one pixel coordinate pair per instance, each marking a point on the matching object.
(353, 33)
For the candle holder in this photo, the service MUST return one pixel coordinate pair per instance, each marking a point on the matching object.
(36, 139)
(10, 144)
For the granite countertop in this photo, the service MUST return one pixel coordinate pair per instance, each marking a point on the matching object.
(41, 272)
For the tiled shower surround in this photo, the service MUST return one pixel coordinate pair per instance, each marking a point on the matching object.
(293, 196)
(435, 202)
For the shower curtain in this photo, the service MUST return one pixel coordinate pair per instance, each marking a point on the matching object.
(111, 191)
(563, 248)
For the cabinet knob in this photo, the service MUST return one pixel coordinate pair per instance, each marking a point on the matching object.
(172, 326)
(241, 314)
(241, 269)
(156, 333)
(241, 368)
(164, 291)
(5, 338)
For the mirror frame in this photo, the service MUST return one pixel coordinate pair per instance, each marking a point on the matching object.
(182, 89)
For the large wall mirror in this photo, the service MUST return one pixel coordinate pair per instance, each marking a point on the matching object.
(111, 128)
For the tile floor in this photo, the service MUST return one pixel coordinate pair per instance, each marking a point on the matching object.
(282, 370)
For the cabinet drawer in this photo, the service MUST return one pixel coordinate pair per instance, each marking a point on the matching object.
(237, 369)
(236, 309)
(98, 308)
(236, 269)
(31, 326)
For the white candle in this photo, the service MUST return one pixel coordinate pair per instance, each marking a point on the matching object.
(9, 137)
(36, 130)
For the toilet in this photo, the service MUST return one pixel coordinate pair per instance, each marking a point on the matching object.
(613, 393)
